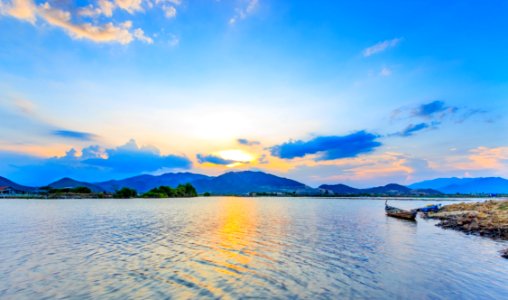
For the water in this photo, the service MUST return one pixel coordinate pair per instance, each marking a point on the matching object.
(238, 248)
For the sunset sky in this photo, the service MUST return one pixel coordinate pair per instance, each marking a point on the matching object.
(358, 92)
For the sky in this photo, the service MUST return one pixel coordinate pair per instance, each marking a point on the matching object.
(357, 92)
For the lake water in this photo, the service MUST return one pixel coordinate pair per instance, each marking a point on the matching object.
(230, 248)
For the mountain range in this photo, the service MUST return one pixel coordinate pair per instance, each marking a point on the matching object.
(454, 185)
(391, 189)
(245, 182)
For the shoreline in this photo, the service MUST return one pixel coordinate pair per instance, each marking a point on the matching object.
(451, 198)
(487, 219)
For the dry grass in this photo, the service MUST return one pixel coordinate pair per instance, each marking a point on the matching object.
(486, 218)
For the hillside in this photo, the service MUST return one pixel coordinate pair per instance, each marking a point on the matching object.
(250, 182)
(340, 189)
(71, 183)
(6, 182)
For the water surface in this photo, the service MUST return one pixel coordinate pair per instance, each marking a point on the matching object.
(222, 247)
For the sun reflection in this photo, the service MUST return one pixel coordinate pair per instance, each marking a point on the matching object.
(236, 232)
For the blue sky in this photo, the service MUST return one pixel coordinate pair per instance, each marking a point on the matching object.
(362, 93)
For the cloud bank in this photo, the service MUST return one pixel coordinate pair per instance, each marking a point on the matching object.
(94, 163)
(93, 22)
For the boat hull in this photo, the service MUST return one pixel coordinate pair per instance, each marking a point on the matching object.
(400, 213)
(403, 215)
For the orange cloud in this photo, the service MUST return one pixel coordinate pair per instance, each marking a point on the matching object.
(27, 10)
(486, 158)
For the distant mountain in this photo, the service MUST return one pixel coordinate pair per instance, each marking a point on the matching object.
(6, 182)
(439, 183)
(144, 183)
(391, 189)
(71, 183)
(340, 189)
(487, 185)
(236, 183)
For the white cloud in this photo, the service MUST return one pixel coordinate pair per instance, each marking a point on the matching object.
(104, 7)
(21, 9)
(169, 11)
(140, 35)
(129, 5)
(381, 46)
(241, 13)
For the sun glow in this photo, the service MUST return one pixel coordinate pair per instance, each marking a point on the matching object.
(238, 156)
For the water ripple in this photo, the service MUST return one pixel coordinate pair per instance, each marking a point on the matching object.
(235, 248)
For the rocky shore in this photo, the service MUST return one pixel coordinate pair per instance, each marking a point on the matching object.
(489, 218)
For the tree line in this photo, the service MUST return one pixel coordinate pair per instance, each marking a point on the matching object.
(181, 191)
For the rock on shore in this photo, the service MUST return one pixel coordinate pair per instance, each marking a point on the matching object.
(489, 218)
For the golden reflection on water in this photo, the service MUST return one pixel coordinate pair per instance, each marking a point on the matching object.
(235, 234)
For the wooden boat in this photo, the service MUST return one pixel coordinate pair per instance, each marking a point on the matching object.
(400, 213)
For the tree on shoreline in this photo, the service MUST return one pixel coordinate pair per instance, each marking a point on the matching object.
(125, 193)
(181, 191)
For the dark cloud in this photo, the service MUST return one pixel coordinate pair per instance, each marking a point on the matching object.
(77, 135)
(432, 109)
(94, 164)
(328, 147)
(214, 159)
(247, 142)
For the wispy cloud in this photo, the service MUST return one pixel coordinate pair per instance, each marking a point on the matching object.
(380, 47)
(411, 129)
(433, 114)
(329, 147)
(84, 136)
(22, 114)
(248, 7)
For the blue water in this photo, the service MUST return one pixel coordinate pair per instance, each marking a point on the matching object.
(221, 247)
